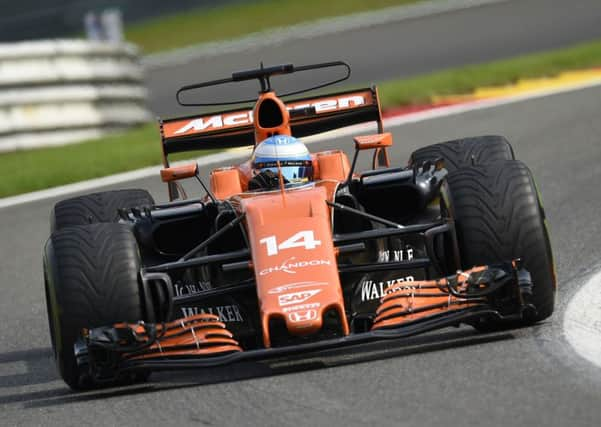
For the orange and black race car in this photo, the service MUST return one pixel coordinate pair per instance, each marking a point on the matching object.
(292, 251)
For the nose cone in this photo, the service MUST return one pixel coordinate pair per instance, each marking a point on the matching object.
(294, 260)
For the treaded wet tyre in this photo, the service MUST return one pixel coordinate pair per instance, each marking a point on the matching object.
(459, 153)
(499, 217)
(96, 207)
(91, 280)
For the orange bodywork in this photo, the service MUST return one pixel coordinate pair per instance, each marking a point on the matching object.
(379, 140)
(294, 258)
(409, 301)
(282, 128)
(192, 336)
(175, 173)
(332, 164)
(225, 182)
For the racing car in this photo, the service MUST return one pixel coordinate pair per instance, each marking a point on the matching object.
(262, 263)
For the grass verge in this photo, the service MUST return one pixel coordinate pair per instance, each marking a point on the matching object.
(464, 80)
(31, 170)
(227, 22)
(25, 171)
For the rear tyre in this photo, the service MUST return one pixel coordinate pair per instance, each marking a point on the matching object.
(465, 152)
(499, 217)
(91, 280)
(97, 207)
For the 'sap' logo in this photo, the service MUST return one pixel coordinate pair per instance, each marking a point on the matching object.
(297, 297)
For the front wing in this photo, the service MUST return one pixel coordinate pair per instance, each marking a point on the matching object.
(501, 291)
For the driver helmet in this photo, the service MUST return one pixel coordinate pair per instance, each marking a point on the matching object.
(295, 160)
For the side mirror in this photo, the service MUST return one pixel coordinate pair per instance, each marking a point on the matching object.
(369, 142)
(179, 172)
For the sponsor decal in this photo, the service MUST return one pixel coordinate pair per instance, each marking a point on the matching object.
(297, 297)
(371, 290)
(218, 121)
(181, 288)
(332, 104)
(290, 265)
(308, 306)
(397, 255)
(226, 313)
(283, 140)
(242, 118)
(295, 285)
(302, 316)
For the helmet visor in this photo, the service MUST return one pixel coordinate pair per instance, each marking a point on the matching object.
(293, 171)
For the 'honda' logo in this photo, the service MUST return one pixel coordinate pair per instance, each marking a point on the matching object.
(302, 316)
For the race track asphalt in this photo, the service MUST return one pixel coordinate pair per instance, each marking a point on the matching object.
(452, 377)
(405, 48)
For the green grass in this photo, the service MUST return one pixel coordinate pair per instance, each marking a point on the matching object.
(30, 170)
(26, 171)
(466, 79)
(227, 22)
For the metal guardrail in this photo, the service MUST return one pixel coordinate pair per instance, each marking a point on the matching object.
(63, 91)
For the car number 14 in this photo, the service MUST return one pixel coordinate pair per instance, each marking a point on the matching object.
(302, 239)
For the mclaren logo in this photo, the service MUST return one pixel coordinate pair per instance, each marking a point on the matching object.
(217, 122)
(241, 118)
(332, 104)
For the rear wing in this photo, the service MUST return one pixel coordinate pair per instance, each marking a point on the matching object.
(234, 128)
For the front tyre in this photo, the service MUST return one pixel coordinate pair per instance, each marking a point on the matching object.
(499, 217)
(91, 280)
(96, 207)
(464, 152)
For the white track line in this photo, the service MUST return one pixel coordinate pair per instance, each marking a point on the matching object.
(321, 27)
(237, 154)
(582, 320)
